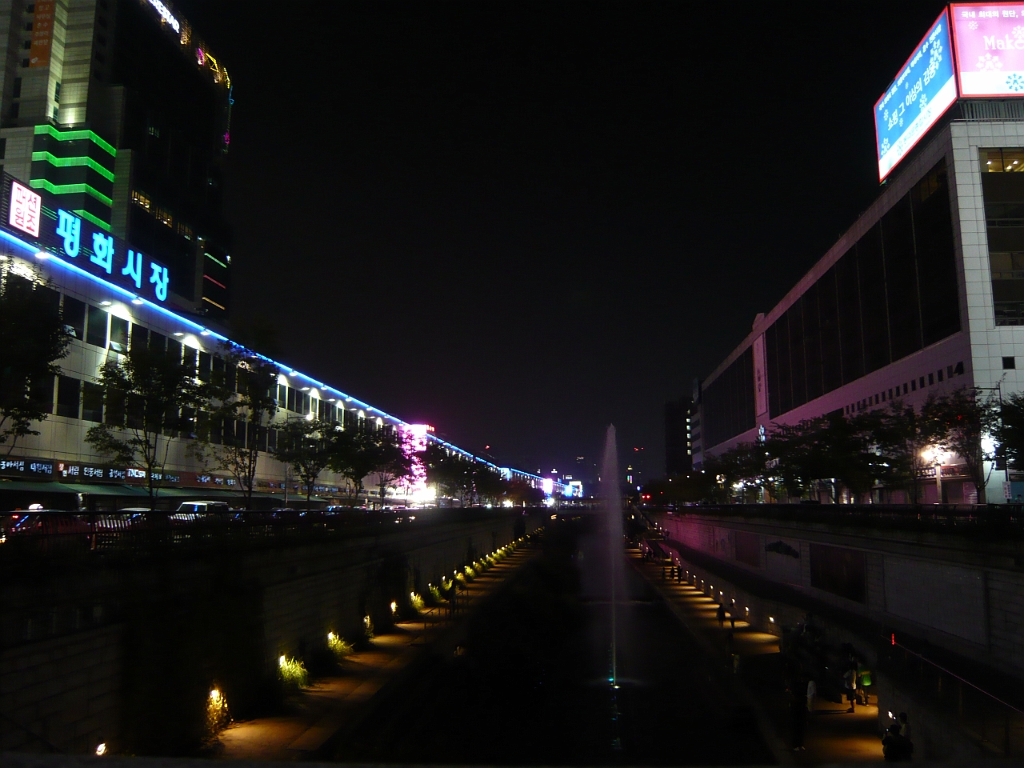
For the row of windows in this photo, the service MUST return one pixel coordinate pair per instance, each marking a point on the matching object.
(74, 398)
(1004, 219)
(891, 294)
(728, 401)
(97, 327)
(894, 393)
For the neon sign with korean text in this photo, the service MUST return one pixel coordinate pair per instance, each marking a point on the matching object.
(921, 93)
(62, 233)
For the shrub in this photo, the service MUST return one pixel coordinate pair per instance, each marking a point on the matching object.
(435, 592)
(416, 601)
(338, 645)
(293, 672)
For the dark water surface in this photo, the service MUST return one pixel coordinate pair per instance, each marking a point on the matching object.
(532, 686)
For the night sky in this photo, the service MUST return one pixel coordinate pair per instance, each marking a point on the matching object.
(520, 222)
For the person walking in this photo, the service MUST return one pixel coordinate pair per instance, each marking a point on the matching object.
(732, 614)
(812, 693)
(720, 613)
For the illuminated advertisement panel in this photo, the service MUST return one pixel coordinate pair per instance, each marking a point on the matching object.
(923, 90)
(42, 33)
(35, 217)
(989, 40)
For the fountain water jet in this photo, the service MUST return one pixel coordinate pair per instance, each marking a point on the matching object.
(611, 511)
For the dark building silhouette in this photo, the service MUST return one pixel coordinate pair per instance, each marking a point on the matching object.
(678, 436)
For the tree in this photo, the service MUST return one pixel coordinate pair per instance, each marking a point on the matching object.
(390, 462)
(149, 396)
(961, 422)
(252, 406)
(447, 470)
(33, 338)
(1010, 432)
(901, 436)
(489, 483)
(520, 491)
(308, 445)
(353, 457)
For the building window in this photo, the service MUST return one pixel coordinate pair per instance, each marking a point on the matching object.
(92, 402)
(118, 334)
(1009, 363)
(96, 332)
(74, 317)
(41, 393)
(68, 390)
(205, 366)
(140, 337)
(17, 88)
(940, 374)
(141, 199)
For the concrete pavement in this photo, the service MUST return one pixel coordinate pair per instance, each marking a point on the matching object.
(832, 734)
(331, 704)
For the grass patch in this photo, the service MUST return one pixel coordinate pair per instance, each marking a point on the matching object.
(293, 672)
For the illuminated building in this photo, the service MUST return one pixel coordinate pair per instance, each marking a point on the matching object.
(925, 292)
(119, 110)
(114, 298)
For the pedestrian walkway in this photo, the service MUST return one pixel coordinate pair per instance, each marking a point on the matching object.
(833, 735)
(331, 704)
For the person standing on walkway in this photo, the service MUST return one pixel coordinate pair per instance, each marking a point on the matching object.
(812, 693)
(850, 685)
(732, 614)
(720, 613)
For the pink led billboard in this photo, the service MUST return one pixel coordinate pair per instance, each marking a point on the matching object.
(989, 43)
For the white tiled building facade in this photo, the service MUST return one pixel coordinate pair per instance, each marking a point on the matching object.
(982, 346)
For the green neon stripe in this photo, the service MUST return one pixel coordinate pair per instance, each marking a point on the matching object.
(97, 221)
(215, 261)
(75, 136)
(73, 162)
(69, 189)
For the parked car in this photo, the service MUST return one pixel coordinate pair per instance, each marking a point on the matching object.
(48, 528)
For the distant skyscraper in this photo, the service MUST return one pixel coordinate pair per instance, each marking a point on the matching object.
(118, 109)
(678, 436)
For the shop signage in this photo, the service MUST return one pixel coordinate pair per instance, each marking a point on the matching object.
(60, 232)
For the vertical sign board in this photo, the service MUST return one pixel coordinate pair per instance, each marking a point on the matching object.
(989, 39)
(921, 93)
(42, 34)
(760, 379)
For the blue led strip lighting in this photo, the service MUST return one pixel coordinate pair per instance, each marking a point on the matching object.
(202, 330)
